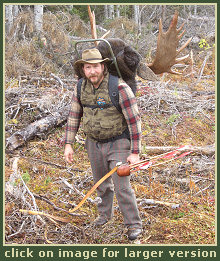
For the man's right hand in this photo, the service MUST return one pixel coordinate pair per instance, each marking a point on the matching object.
(68, 153)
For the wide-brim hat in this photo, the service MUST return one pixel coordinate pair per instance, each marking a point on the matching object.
(91, 56)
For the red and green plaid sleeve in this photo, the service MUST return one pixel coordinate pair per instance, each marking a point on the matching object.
(73, 120)
(129, 107)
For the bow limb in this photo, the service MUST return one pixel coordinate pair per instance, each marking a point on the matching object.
(94, 188)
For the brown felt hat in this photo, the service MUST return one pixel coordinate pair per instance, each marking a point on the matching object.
(91, 56)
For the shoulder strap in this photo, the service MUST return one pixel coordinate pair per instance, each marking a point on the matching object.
(79, 85)
(113, 91)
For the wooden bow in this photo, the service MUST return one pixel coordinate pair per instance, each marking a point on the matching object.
(124, 169)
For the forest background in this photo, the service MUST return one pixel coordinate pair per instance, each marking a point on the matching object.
(177, 199)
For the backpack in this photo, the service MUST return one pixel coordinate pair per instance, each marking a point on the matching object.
(112, 90)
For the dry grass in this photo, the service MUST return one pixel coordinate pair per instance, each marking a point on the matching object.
(26, 54)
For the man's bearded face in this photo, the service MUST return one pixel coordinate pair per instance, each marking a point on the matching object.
(94, 72)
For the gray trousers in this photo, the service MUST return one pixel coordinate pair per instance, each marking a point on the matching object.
(103, 157)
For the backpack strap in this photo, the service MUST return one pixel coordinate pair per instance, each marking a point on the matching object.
(113, 91)
(79, 85)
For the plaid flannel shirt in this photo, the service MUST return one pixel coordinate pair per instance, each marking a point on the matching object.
(128, 103)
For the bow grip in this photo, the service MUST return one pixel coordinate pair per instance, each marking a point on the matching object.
(123, 170)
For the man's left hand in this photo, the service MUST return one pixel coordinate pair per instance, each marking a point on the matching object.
(133, 158)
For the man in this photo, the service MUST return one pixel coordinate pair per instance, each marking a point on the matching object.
(112, 136)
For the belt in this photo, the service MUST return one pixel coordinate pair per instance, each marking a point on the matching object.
(125, 134)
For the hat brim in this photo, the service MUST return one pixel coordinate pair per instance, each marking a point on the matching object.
(91, 61)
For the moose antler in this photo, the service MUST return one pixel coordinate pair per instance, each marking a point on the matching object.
(167, 43)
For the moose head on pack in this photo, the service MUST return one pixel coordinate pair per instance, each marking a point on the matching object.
(129, 60)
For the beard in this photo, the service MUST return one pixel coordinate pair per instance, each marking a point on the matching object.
(95, 79)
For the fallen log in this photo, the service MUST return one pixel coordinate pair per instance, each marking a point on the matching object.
(36, 128)
(206, 150)
(157, 202)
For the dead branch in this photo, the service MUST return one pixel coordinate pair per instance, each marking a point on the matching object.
(105, 34)
(204, 189)
(18, 192)
(30, 193)
(52, 164)
(207, 150)
(54, 206)
(30, 212)
(93, 201)
(36, 128)
(58, 79)
(9, 186)
(203, 66)
(18, 232)
(45, 235)
(93, 24)
(163, 98)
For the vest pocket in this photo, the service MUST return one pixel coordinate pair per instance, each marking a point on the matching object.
(103, 124)
(109, 129)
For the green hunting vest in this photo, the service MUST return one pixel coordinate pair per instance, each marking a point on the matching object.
(101, 119)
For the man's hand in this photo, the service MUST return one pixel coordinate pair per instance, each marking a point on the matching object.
(133, 158)
(68, 153)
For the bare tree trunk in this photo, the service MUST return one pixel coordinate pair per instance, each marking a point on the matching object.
(137, 17)
(8, 18)
(136, 13)
(15, 10)
(195, 9)
(106, 11)
(163, 15)
(38, 17)
(117, 10)
(111, 11)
